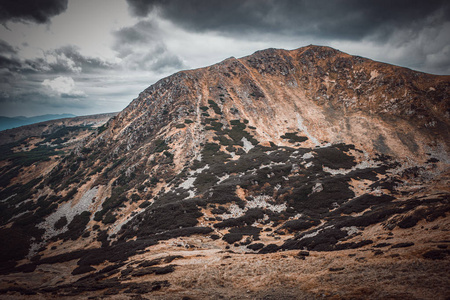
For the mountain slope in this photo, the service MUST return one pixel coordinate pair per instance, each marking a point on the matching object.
(280, 151)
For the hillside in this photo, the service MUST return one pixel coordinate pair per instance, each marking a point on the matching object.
(283, 174)
(51, 126)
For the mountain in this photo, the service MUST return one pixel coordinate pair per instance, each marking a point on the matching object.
(8, 123)
(296, 174)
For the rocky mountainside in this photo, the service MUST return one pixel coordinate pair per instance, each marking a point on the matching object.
(265, 176)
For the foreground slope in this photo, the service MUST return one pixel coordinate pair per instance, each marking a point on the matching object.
(213, 177)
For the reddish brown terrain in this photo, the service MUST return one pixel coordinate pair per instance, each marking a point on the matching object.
(296, 174)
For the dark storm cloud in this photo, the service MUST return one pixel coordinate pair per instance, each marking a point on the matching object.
(58, 61)
(9, 64)
(30, 11)
(69, 57)
(341, 19)
(141, 47)
(6, 48)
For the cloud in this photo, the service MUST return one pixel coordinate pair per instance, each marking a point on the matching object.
(6, 48)
(349, 19)
(64, 87)
(142, 47)
(64, 60)
(69, 59)
(30, 11)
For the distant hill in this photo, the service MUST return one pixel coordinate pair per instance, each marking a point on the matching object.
(8, 123)
(51, 126)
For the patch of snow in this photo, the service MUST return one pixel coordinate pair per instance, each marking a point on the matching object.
(308, 155)
(262, 202)
(312, 234)
(224, 177)
(361, 165)
(13, 195)
(69, 211)
(198, 171)
(310, 164)
(234, 211)
(317, 188)
(350, 230)
(188, 183)
(247, 145)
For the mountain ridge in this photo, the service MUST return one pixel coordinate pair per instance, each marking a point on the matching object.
(14, 122)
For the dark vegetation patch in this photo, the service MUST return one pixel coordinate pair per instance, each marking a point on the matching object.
(205, 180)
(117, 199)
(180, 126)
(7, 174)
(402, 245)
(215, 107)
(361, 203)
(436, 254)
(164, 217)
(212, 156)
(223, 194)
(300, 224)
(231, 238)
(157, 261)
(237, 132)
(223, 140)
(293, 138)
(159, 146)
(271, 248)
(153, 270)
(82, 270)
(325, 240)
(63, 133)
(409, 221)
(219, 210)
(26, 158)
(381, 245)
(214, 125)
(61, 222)
(249, 218)
(237, 233)
(14, 245)
(336, 190)
(430, 213)
(76, 227)
(334, 157)
(255, 246)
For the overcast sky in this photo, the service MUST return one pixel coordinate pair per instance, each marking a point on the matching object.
(93, 56)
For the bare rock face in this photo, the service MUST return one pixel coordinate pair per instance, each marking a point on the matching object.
(263, 156)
